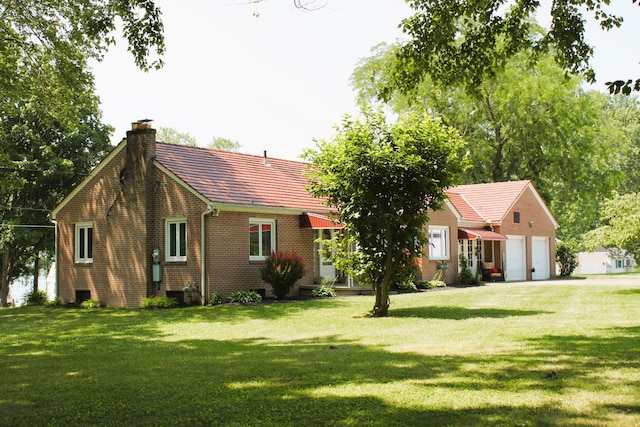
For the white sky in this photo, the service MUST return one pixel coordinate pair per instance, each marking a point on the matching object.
(277, 81)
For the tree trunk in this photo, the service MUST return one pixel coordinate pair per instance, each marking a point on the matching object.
(5, 268)
(36, 272)
(381, 307)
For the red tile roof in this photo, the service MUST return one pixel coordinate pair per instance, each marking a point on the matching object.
(466, 211)
(240, 179)
(492, 201)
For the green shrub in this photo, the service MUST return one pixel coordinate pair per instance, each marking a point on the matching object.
(36, 297)
(216, 298)
(158, 302)
(407, 285)
(437, 284)
(245, 297)
(90, 303)
(466, 276)
(422, 284)
(567, 257)
(325, 290)
(282, 270)
(56, 302)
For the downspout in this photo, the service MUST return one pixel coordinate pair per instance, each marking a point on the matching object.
(203, 239)
(55, 256)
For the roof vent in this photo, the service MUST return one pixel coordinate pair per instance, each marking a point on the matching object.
(265, 160)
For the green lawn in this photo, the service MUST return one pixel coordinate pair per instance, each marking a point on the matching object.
(463, 357)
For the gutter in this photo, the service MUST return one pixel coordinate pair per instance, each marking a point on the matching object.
(211, 210)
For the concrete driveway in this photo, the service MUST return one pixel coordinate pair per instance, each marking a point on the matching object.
(613, 279)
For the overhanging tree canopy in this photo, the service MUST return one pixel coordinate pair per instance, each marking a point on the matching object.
(469, 40)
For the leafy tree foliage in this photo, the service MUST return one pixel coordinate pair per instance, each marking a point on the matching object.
(619, 226)
(50, 123)
(526, 122)
(70, 29)
(47, 144)
(225, 144)
(466, 41)
(172, 136)
(622, 114)
(382, 178)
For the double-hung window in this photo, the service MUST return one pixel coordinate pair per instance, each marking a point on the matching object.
(262, 238)
(84, 242)
(176, 239)
(438, 242)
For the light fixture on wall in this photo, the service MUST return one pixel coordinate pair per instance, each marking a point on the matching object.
(530, 223)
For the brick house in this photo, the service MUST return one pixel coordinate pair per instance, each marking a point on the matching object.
(504, 226)
(154, 218)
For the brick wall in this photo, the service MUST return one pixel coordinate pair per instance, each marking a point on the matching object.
(114, 201)
(228, 266)
(541, 226)
(444, 217)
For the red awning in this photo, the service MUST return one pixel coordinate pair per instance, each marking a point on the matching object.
(479, 233)
(315, 221)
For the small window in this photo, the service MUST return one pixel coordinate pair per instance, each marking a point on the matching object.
(262, 238)
(516, 217)
(82, 296)
(438, 243)
(84, 242)
(176, 240)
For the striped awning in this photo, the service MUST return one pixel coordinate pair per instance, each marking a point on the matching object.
(318, 221)
(479, 233)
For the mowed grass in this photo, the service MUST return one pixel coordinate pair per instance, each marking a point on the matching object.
(566, 354)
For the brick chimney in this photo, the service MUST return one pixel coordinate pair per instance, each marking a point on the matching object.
(141, 148)
(140, 196)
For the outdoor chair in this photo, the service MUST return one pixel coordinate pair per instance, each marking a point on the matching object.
(490, 273)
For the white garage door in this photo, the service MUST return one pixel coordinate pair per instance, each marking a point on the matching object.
(540, 258)
(516, 263)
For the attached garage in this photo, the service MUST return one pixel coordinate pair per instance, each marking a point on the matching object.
(515, 257)
(540, 258)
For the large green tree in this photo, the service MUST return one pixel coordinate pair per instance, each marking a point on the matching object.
(47, 144)
(526, 122)
(469, 40)
(619, 226)
(381, 179)
(50, 123)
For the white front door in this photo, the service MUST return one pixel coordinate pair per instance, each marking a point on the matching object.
(515, 257)
(327, 269)
(540, 258)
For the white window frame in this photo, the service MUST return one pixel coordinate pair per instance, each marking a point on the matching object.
(260, 222)
(178, 256)
(84, 241)
(445, 243)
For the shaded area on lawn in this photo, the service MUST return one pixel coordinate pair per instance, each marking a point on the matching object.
(112, 367)
(460, 313)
